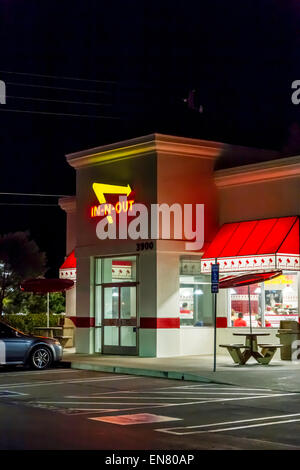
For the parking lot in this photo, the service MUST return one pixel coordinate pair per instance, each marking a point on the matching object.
(70, 409)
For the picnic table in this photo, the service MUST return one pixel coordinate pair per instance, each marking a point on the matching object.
(48, 330)
(250, 349)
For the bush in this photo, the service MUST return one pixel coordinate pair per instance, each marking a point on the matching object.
(18, 301)
(28, 323)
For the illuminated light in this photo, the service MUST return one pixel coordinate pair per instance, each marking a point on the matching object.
(115, 294)
(107, 209)
(257, 290)
(198, 292)
(232, 291)
(100, 189)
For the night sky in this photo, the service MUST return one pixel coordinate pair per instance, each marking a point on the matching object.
(137, 61)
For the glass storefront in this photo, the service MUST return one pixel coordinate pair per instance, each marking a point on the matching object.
(195, 298)
(116, 305)
(271, 302)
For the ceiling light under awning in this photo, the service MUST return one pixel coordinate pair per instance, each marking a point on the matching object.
(247, 279)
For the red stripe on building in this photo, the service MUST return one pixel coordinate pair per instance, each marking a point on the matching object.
(83, 322)
(152, 322)
(221, 322)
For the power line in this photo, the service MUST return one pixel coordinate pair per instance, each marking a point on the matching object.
(59, 88)
(25, 204)
(33, 194)
(58, 101)
(54, 76)
(58, 114)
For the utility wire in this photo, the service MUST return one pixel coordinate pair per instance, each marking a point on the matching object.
(58, 114)
(54, 76)
(25, 204)
(57, 101)
(33, 194)
(59, 88)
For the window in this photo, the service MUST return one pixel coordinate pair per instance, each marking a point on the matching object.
(111, 270)
(271, 301)
(195, 299)
(6, 332)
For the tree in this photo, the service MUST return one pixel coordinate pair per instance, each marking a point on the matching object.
(293, 142)
(20, 259)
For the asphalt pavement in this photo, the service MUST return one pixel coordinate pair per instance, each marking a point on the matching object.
(78, 409)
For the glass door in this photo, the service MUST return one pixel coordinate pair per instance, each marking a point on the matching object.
(119, 319)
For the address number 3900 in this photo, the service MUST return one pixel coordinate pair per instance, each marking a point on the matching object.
(144, 246)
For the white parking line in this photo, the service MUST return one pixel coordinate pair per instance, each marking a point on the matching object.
(211, 400)
(216, 387)
(63, 382)
(99, 403)
(38, 372)
(175, 430)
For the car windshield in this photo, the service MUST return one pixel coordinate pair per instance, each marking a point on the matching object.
(7, 326)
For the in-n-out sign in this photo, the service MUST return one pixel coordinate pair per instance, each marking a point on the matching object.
(106, 209)
(163, 219)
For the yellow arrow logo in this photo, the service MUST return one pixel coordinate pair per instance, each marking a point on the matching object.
(101, 189)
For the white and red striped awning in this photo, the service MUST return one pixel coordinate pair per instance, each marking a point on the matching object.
(256, 245)
(68, 268)
(121, 269)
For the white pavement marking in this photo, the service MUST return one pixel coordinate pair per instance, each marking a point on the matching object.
(8, 393)
(38, 372)
(216, 387)
(232, 428)
(212, 400)
(63, 382)
(160, 398)
(222, 423)
(104, 403)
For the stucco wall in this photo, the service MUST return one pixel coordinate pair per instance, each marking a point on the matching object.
(261, 200)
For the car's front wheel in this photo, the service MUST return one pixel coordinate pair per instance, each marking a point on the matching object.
(41, 358)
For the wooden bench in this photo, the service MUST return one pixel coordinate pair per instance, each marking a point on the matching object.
(235, 352)
(268, 351)
(63, 339)
(66, 336)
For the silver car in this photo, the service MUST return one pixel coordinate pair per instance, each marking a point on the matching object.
(20, 348)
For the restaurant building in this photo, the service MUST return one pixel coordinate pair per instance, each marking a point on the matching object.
(151, 297)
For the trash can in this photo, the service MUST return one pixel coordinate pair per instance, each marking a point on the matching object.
(288, 332)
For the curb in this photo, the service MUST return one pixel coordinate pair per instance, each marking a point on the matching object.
(175, 375)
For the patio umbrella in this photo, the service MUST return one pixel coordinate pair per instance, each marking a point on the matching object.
(247, 280)
(45, 286)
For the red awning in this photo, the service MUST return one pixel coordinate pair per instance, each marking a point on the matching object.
(255, 245)
(247, 279)
(70, 261)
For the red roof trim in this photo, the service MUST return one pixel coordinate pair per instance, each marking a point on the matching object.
(256, 237)
(70, 261)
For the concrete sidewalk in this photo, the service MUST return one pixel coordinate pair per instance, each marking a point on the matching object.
(278, 375)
